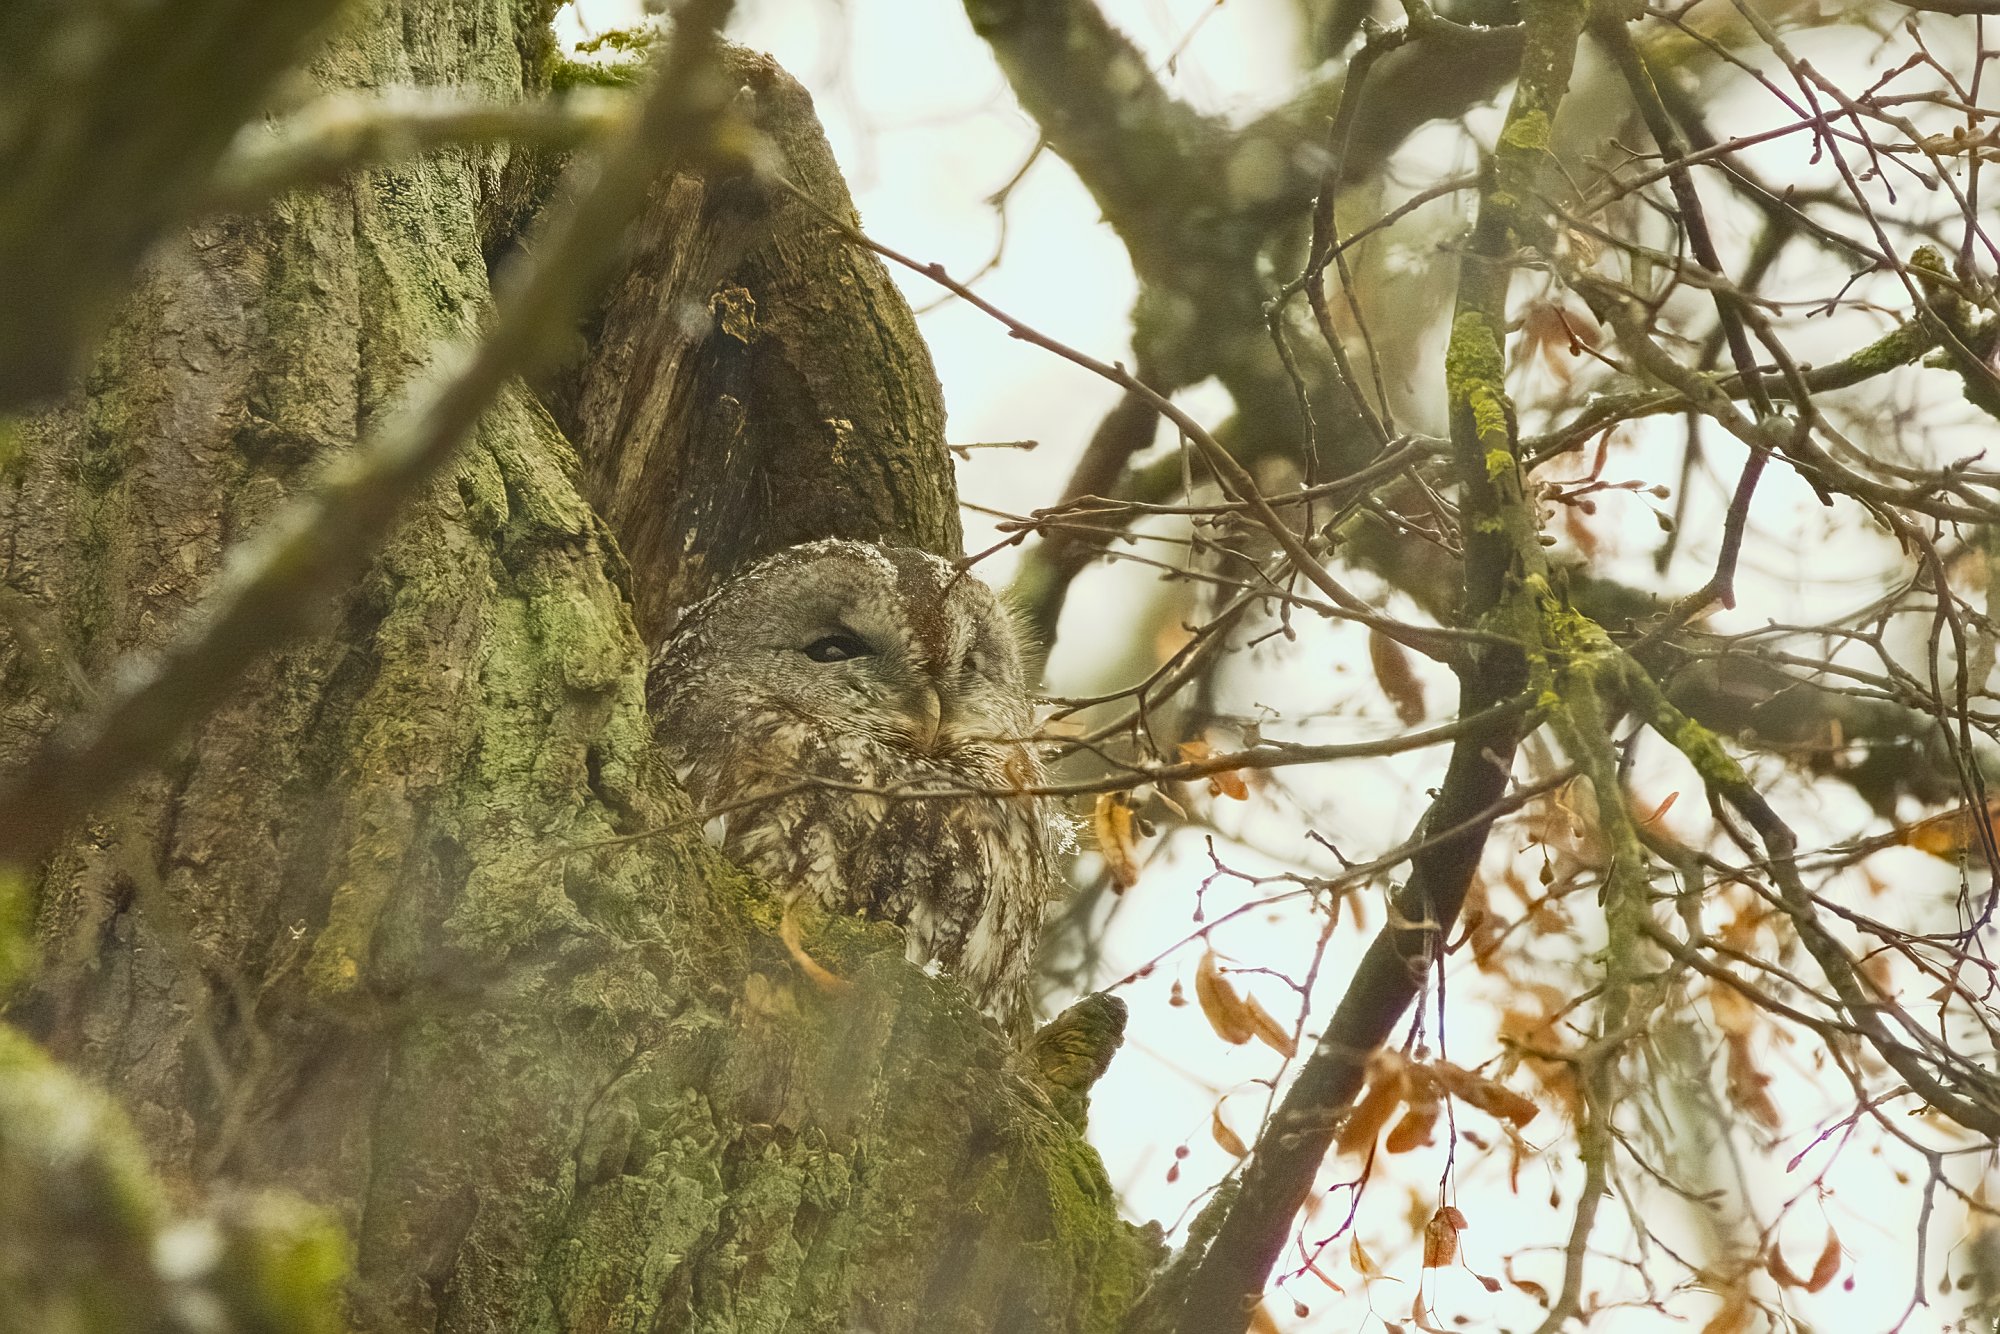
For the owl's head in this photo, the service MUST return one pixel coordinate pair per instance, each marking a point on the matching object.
(888, 641)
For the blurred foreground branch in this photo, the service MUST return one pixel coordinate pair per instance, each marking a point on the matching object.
(284, 579)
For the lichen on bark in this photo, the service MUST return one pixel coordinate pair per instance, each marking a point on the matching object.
(416, 926)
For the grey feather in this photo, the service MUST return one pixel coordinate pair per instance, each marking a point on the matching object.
(817, 760)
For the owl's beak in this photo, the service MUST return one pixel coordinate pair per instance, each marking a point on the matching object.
(926, 715)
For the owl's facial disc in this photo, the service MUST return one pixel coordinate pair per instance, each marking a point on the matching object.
(878, 642)
(913, 697)
(924, 710)
(854, 645)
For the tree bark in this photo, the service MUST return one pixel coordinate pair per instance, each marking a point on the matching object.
(753, 380)
(416, 925)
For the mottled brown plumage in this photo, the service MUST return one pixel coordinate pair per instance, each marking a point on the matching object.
(815, 689)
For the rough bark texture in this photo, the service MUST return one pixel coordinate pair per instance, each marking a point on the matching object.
(755, 381)
(107, 134)
(370, 937)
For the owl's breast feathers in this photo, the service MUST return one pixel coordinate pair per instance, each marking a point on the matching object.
(933, 843)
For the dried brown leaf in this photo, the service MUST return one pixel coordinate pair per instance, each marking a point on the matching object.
(1735, 1013)
(1269, 1031)
(821, 976)
(1734, 1317)
(1320, 1274)
(1748, 1090)
(1660, 810)
(1441, 1240)
(1413, 1131)
(1489, 1096)
(1224, 1009)
(1948, 835)
(1224, 782)
(1396, 677)
(1775, 1266)
(1828, 1263)
(1117, 839)
(1228, 783)
(1386, 1082)
(1231, 1142)
(1533, 1289)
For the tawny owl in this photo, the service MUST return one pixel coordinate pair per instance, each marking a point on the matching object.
(812, 696)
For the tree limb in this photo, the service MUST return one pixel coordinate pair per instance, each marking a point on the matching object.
(285, 576)
(1504, 568)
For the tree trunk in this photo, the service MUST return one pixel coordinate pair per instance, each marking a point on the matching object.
(415, 925)
(754, 380)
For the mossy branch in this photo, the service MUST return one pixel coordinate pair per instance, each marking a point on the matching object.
(91, 1246)
(1965, 1093)
(335, 136)
(282, 578)
(1900, 347)
(1581, 670)
(1504, 568)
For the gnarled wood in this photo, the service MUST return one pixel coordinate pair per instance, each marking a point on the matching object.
(384, 934)
(754, 380)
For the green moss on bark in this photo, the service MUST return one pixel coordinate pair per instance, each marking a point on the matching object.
(440, 949)
(91, 1247)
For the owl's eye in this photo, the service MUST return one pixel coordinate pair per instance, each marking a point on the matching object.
(837, 648)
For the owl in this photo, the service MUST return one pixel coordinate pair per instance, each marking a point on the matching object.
(814, 699)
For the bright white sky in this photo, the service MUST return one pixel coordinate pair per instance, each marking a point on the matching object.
(923, 123)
